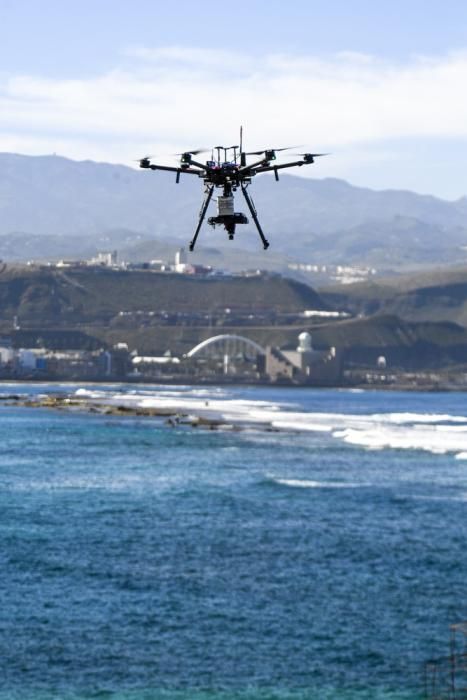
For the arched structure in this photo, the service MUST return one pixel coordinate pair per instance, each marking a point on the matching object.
(227, 344)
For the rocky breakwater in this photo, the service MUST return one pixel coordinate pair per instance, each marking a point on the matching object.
(171, 415)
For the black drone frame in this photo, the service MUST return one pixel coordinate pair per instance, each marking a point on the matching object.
(229, 175)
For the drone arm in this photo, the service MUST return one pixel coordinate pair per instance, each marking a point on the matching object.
(265, 168)
(175, 170)
(245, 169)
(198, 165)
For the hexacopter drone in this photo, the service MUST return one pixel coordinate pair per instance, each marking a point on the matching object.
(229, 175)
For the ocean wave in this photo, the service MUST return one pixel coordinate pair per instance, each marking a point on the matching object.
(90, 394)
(437, 433)
(407, 417)
(457, 498)
(412, 438)
(311, 484)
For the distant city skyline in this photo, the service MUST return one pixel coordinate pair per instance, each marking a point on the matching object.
(381, 88)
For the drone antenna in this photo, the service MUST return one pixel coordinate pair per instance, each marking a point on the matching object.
(218, 149)
(242, 155)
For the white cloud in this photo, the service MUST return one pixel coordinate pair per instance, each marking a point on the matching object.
(172, 98)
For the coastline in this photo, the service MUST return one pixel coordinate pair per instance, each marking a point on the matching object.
(391, 386)
(332, 413)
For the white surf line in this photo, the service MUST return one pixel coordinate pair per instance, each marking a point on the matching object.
(311, 484)
(431, 432)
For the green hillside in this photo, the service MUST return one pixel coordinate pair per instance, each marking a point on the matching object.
(86, 295)
(154, 313)
(436, 295)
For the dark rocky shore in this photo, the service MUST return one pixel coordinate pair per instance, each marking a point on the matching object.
(171, 416)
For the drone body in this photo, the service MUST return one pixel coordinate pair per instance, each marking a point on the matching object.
(229, 175)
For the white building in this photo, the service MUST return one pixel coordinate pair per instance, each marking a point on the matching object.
(7, 355)
(105, 259)
(181, 260)
(304, 364)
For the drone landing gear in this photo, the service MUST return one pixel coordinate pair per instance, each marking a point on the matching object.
(252, 209)
(230, 220)
(202, 214)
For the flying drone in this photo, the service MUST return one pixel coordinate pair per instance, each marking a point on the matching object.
(229, 171)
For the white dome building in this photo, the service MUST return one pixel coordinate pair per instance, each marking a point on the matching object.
(304, 365)
(304, 342)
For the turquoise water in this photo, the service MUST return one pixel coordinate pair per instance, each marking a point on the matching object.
(324, 560)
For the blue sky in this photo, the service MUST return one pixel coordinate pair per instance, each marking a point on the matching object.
(379, 84)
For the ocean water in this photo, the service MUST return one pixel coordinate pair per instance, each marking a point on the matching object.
(317, 552)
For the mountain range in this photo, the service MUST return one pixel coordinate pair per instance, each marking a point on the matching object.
(52, 207)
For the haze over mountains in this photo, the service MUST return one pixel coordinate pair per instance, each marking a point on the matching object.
(52, 207)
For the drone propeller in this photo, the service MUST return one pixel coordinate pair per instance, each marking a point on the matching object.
(265, 150)
(193, 152)
(138, 160)
(313, 155)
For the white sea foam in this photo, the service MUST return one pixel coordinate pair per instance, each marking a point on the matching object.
(457, 498)
(309, 484)
(303, 425)
(415, 437)
(401, 418)
(431, 432)
(88, 394)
